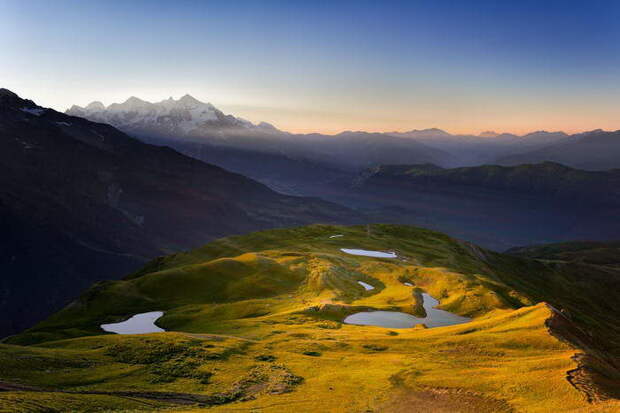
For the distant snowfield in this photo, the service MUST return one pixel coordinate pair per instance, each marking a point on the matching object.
(138, 324)
(198, 115)
(367, 253)
(367, 286)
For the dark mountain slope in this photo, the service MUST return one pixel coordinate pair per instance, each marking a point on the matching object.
(74, 192)
(496, 206)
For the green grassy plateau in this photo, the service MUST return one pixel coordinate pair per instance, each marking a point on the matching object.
(254, 323)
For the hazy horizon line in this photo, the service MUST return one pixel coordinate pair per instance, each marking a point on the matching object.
(309, 131)
(326, 131)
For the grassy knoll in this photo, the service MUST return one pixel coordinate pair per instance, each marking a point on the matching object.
(255, 324)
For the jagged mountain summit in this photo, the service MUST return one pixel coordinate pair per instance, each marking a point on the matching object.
(186, 116)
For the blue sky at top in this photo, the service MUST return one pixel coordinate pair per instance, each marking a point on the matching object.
(328, 66)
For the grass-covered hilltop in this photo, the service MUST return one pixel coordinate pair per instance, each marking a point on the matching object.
(255, 323)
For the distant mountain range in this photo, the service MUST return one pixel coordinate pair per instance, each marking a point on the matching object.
(189, 120)
(82, 201)
(205, 132)
(285, 161)
(488, 147)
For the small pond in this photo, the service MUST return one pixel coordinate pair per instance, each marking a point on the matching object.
(368, 253)
(137, 324)
(367, 286)
(394, 319)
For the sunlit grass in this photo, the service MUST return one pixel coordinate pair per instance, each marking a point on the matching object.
(244, 311)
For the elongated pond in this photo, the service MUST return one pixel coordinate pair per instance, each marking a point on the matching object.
(366, 286)
(395, 319)
(368, 253)
(137, 324)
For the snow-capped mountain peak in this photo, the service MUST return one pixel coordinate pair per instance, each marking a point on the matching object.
(133, 104)
(186, 116)
(189, 100)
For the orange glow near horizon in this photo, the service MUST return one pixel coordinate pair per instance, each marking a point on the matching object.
(464, 116)
(334, 123)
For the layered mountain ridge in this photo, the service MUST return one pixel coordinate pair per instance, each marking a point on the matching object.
(176, 122)
(284, 161)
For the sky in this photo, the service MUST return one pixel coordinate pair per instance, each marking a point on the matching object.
(328, 66)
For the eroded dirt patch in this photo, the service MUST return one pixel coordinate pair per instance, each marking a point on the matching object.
(433, 400)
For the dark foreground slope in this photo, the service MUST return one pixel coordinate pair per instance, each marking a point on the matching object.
(497, 207)
(82, 201)
(255, 322)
